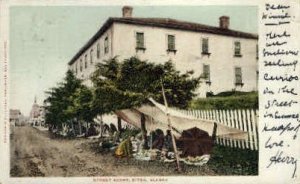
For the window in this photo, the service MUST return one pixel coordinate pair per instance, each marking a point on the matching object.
(98, 50)
(171, 43)
(106, 45)
(91, 56)
(206, 72)
(80, 65)
(140, 41)
(238, 76)
(85, 61)
(237, 49)
(76, 66)
(205, 46)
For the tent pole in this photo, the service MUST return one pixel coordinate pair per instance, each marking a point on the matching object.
(119, 124)
(214, 133)
(170, 128)
(144, 131)
(151, 131)
(101, 126)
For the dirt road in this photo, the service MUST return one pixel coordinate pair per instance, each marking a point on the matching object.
(35, 153)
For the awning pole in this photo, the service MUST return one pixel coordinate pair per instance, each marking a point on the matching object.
(151, 131)
(170, 128)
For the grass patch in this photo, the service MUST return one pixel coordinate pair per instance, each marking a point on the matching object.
(227, 100)
(233, 161)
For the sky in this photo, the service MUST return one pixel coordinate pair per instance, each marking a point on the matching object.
(44, 39)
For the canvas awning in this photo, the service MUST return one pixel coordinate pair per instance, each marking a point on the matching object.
(156, 118)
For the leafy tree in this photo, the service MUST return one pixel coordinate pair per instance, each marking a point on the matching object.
(117, 85)
(81, 106)
(130, 83)
(54, 114)
(59, 99)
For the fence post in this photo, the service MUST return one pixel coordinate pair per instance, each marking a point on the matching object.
(232, 125)
(221, 141)
(211, 115)
(215, 119)
(250, 130)
(254, 126)
(228, 119)
(225, 123)
(236, 120)
(241, 127)
(245, 127)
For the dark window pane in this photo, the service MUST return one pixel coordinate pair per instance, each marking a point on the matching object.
(171, 42)
(98, 50)
(106, 45)
(205, 45)
(206, 72)
(91, 56)
(76, 70)
(237, 48)
(85, 61)
(81, 65)
(238, 75)
(140, 40)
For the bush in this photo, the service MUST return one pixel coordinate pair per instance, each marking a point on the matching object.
(227, 100)
(233, 93)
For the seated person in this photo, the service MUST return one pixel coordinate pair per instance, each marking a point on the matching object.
(125, 148)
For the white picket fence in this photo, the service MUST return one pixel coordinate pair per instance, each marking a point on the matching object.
(245, 120)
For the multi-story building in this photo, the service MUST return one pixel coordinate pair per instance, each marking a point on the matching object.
(227, 59)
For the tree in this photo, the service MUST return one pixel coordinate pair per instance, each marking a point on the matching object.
(130, 83)
(58, 101)
(108, 97)
(147, 78)
(117, 85)
(81, 106)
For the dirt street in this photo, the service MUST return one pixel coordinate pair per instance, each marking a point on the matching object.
(36, 153)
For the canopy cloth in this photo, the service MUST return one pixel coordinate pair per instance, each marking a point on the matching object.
(156, 117)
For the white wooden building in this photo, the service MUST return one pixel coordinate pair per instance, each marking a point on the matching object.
(226, 58)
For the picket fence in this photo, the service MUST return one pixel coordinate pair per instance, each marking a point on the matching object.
(245, 120)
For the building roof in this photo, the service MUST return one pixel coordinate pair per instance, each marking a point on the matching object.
(163, 23)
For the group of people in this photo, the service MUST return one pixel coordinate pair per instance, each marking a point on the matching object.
(159, 146)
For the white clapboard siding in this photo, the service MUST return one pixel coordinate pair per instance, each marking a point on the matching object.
(242, 119)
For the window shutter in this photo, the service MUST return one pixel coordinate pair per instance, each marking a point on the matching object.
(91, 56)
(106, 45)
(98, 50)
(81, 65)
(140, 40)
(206, 72)
(237, 48)
(205, 45)
(171, 42)
(85, 61)
(238, 75)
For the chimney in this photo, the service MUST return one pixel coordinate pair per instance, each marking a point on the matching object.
(224, 22)
(127, 11)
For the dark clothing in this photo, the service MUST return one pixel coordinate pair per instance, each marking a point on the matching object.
(158, 143)
(195, 142)
(168, 142)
